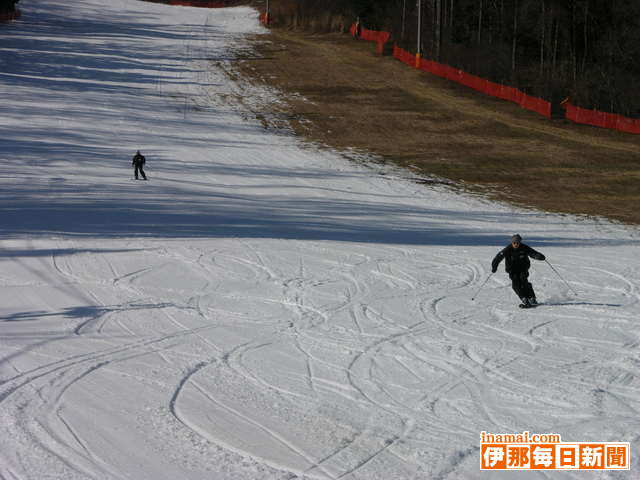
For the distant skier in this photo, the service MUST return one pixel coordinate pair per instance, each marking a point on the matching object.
(517, 266)
(138, 162)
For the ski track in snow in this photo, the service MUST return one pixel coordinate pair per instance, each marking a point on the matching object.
(262, 309)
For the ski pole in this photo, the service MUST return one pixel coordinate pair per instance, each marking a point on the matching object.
(483, 284)
(574, 292)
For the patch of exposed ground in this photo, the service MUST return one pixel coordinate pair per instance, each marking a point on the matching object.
(342, 95)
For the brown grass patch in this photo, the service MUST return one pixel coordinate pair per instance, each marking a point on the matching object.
(355, 99)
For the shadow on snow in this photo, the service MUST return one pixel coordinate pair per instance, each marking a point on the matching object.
(63, 55)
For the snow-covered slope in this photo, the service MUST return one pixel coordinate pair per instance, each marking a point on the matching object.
(261, 309)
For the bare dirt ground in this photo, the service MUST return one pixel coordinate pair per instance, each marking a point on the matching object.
(342, 95)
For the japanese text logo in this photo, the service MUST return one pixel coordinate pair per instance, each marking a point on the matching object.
(523, 451)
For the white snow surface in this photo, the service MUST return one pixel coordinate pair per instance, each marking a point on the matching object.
(262, 308)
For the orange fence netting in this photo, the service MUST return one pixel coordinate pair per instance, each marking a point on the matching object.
(479, 84)
(612, 121)
(381, 38)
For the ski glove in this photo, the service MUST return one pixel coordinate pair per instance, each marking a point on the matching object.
(496, 261)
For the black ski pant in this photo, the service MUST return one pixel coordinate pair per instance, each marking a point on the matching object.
(139, 169)
(520, 284)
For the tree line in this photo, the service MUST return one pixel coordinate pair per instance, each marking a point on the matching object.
(585, 50)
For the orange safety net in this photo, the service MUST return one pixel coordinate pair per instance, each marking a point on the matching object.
(404, 56)
(611, 121)
(479, 84)
(596, 118)
(381, 38)
(536, 104)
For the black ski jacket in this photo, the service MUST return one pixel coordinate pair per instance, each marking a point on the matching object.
(516, 259)
(138, 160)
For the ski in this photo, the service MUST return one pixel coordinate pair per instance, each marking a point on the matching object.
(529, 305)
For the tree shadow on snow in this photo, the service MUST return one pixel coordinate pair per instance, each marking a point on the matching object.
(64, 54)
(168, 209)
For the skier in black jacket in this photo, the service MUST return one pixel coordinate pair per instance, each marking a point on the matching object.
(517, 266)
(138, 162)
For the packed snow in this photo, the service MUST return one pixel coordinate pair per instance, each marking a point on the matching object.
(262, 308)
